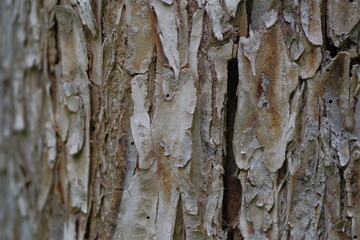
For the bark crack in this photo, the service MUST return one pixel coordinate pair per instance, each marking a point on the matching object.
(232, 185)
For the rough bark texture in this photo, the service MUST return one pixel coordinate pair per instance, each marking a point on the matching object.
(186, 119)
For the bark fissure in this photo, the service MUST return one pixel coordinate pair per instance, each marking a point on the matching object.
(232, 185)
(179, 229)
(249, 7)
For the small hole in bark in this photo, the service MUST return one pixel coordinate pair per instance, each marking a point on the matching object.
(132, 143)
(327, 70)
(121, 189)
(147, 217)
(167, 95)
(93, 128)
(351, 1)
(334, 157)
(330, 101)
(355, 237)
(350, 75)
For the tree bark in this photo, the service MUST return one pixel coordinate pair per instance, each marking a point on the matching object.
(187, 119)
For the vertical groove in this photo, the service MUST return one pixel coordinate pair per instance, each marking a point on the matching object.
(328, 43)
(249, 6)
(179, 230)
(232, 186)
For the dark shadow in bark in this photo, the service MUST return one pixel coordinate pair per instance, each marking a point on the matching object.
(232, 185)
(249, 6)
(179, 230)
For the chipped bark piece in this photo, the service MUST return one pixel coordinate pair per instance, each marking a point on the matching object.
(258, 199)
(290, 11)
(184, 32)
(335, 80)
(307, 190)
(166, 23)
(307, 56)
(168, 1)
(353, 210)
(270, 18)
(87, 16)
(175, 101)
(178, 103)
(141, 200)
(333, 203)
(354, 106)
(213, 205)
(51, 144)
(342, 19)
(73, 70)
(231, 6)
(309, 62)
(195, 39)
(73, 104)
(141, 26)
(76, 135)
(262, 131)
(306, 187)
(69, 229)
(265, 96)
(311, 20)
(251, 47)
(296, 49)
(18, 123)
(320, 86)
(206, 168)
(214, 10)
(220, 57)
(140, 121)
(352, 171)
(258, 10)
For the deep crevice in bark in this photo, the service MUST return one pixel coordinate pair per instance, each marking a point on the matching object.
(329, 45)
(249, 5)
(151, 88)
(179, 230)
(232, 186)
(354, 61)
(282, 174)
(342, 192)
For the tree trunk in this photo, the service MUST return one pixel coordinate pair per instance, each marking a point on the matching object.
(188, 119)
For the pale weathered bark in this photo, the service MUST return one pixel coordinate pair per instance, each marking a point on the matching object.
(187, 119)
